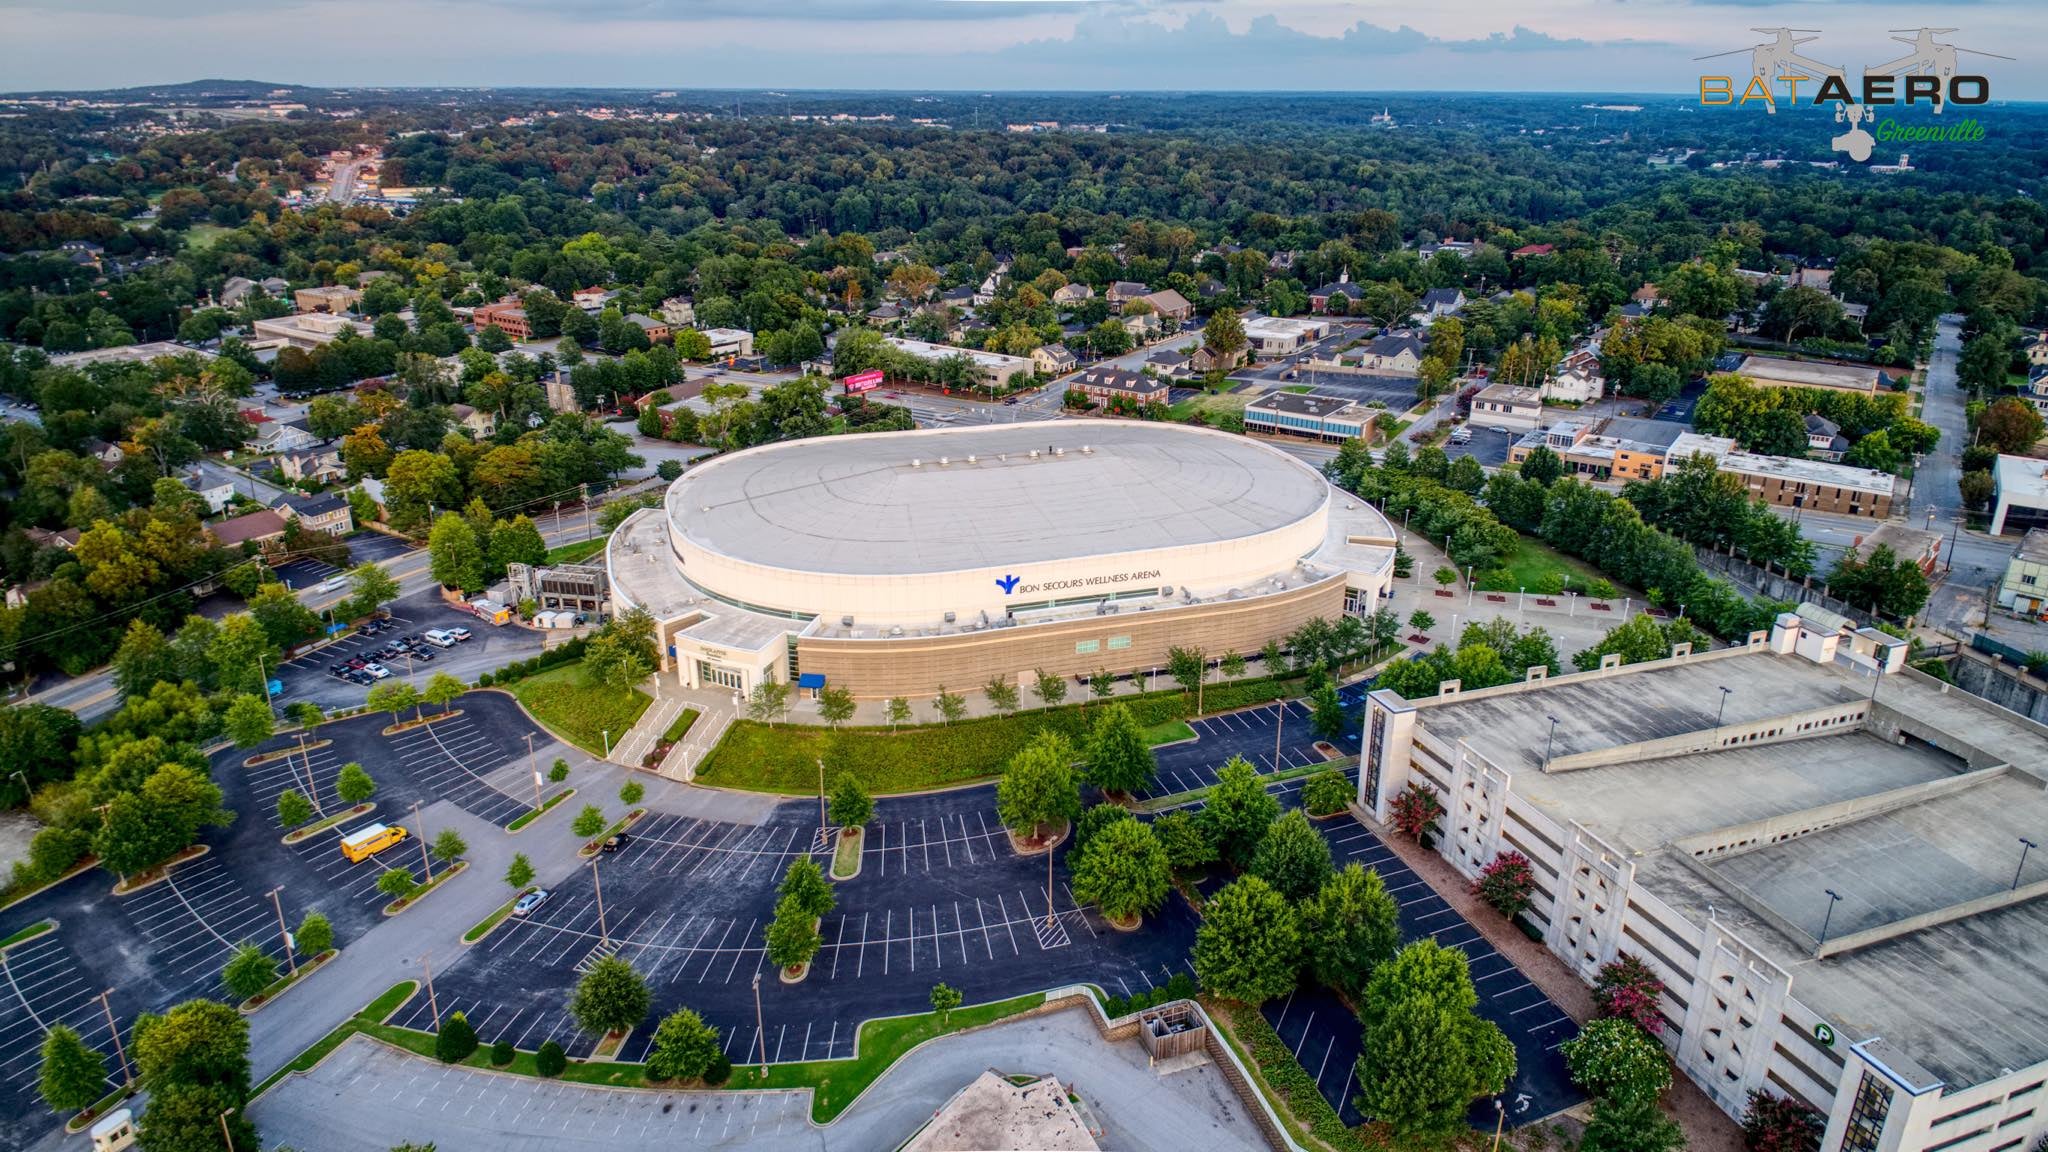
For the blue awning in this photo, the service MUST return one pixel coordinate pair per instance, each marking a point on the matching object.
(810, 680)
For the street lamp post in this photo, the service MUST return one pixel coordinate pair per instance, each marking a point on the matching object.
(290, 946)
(760, 1028)
(1549, 742)
(534, 765)
(127, 1076)
(607, 743)
(604, 933)
(2025, 845)
(426, 861)
(1834, 898)
(225, 1136)
(1723, 709)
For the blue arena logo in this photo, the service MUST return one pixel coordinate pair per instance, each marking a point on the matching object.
(1008, 583)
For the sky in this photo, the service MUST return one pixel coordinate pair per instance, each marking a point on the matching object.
(1093, 45)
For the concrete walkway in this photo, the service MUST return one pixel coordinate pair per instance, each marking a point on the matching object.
(388, 1097)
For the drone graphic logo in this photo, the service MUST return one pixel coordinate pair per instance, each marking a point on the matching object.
(1927, 74)
(1007, 583)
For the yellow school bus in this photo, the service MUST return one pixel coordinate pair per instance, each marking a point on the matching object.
(364, 843)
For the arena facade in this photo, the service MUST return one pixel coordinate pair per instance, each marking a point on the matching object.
(897, 563)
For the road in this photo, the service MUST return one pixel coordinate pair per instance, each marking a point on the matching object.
(1972, 561)
(342, 188)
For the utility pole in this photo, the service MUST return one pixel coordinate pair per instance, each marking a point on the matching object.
(290, 948)
(225, 1136)
(127, 1076)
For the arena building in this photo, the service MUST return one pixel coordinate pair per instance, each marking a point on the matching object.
(898, 563)
(1823, 855)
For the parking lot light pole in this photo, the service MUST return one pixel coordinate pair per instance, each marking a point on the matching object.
(127, 1076)
(426, 861)
(1723, 709)
(604, 934)
(312, 784)
(283, 933)
(1834, 898)
(760, 1028)
(224, 1134)
(2025, 845)
(607, 743)
(823, 826)
(433, 1005)
(1279, 726)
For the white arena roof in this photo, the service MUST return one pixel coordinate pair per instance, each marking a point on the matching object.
(885, 504)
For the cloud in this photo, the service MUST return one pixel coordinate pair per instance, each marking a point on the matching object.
(667, 11)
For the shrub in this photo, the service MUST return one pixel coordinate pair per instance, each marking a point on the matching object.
(1614, 1059)
(1507, 883)
(502, 1053)
(631, 793)
(1415, 810)
(1181, 987)
(1627, 988)
(1326, 793)
(484, 680)
(1294, 1085)
(550, 1060)
(456, 1040)
(1774, 1123)
(719, 1072)
(558, 771)
(315, 934)
(589, 822)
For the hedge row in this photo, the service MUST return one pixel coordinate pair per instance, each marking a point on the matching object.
(1292, 1082)
(518, 670)
(1181, 987)
(784, 758)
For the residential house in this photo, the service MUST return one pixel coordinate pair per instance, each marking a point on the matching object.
(211, 486)
(1169, 305)
(1282, 262)
(1824, 439)
(1647, 294)
(1918, 545)
(1335, 297)
(986, 294)
(262, 528)
(328, 512)
(1173, 365)
(507, 316)
(1053, 359)
(961, 297)
(591, 299)
(1821, 278)
(1574, 385)
(679, 311)
(333, 299)
(44, 538)
(1392, 354)
(658, 331)
(479, 423)
(1463, 249)
(1123, 291)
(1507, 406)
(561, 393)
(1141, 325)
(312, 466)
(1072, 294)
(884, 314)
(2025, 586)
(109, 455)
(729, 342)
(1105, 385)
(235, 291)
(283, 436)
(1440, 302)
(1203, 360)
(1529, 250)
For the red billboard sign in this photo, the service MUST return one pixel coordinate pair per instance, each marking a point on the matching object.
(863, 381)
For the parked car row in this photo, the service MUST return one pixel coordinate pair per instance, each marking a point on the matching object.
(370, 667)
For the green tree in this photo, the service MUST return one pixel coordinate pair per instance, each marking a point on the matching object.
(611, 997)
(944, 999)
(1421, 621)
(1002, 695)
(1613, 1058)
(393, 696)
(805, 884)
(448, 846)
(1326, 793)
(684, 1047)
(769, 701)
(248, 972)
(519, 873)
(2011, 425)
(455, 556)
(143, 658)
(1326, 711)
(315, 935)
(1239, 812)
(549, 1060)
(199, 1042)
(588, 822)
(456, 1039)
(1122, 870)
(1630, 1126)
(1292, 857)
(1224, 335)
(1119, 759)
(1038, 788)
(1541, 465)
(1248, 947)
(248, 721)
(443, 689)
(851, 805)
(898, 710)
(1350, 927)
(188, 1118)
(241, 655)
(1049, 688)
(373, 588)
(293, 809)
(1188, 847)
(1427, 1055)
(1186, 666)
(284, 619)
(949, 705)
(631, 792)
(73, 1076)
(835, 704)
(792, 937)
(516, 541)
(354, 785)
(398, 883)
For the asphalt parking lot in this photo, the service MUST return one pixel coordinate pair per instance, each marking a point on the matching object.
(45, 987)
(1489, 446)
(1325, 1036)
(940, 897)
(1250, 733)
(308, 676)
(362, 548)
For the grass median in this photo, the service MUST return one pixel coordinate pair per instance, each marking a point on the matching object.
(532, 814)
(784, 758)
(572, 705)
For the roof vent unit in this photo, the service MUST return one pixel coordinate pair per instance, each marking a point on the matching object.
(945, 460)
(972, 460)
(846, 621)
(704, 508)
(896, 630)
(1166, 591)
(1059, 452)
(1034, 453)
(949, 617)
(1087, 449)
(916, 463)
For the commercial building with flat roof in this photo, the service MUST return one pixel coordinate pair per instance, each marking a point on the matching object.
(1772, 372)
(2019, 495)
(1794, 483)
(894, 563)
(1816, 857)
(1333, 419)
(991, 369)
(1507, 406)
(1270, 336)
(2024, 588)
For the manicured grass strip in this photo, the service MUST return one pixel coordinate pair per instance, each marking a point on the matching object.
(496, 918)
(104, 1105)
(846, 855)
(29, 933)
(532, 814)
(373, 1013)
(591, 845)
(446, 874)
(1169, 732)
(680, 725)
(574, 553)
(311, 965)
(784, 758)
(1162, 803)
(305, 830)
(570, 704)
(1533, 565)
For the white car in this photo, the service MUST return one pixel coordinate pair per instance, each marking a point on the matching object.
(377, 670)
(460, 634)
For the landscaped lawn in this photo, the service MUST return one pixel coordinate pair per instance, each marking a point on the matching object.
(568, 703)
(576, 553)
(1534, 562)
(1210, 404)
(784, 758)
(200, 236)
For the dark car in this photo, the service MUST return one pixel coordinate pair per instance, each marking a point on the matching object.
(337, 670)
(357, 663)
(614, 843)
(423, 656)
